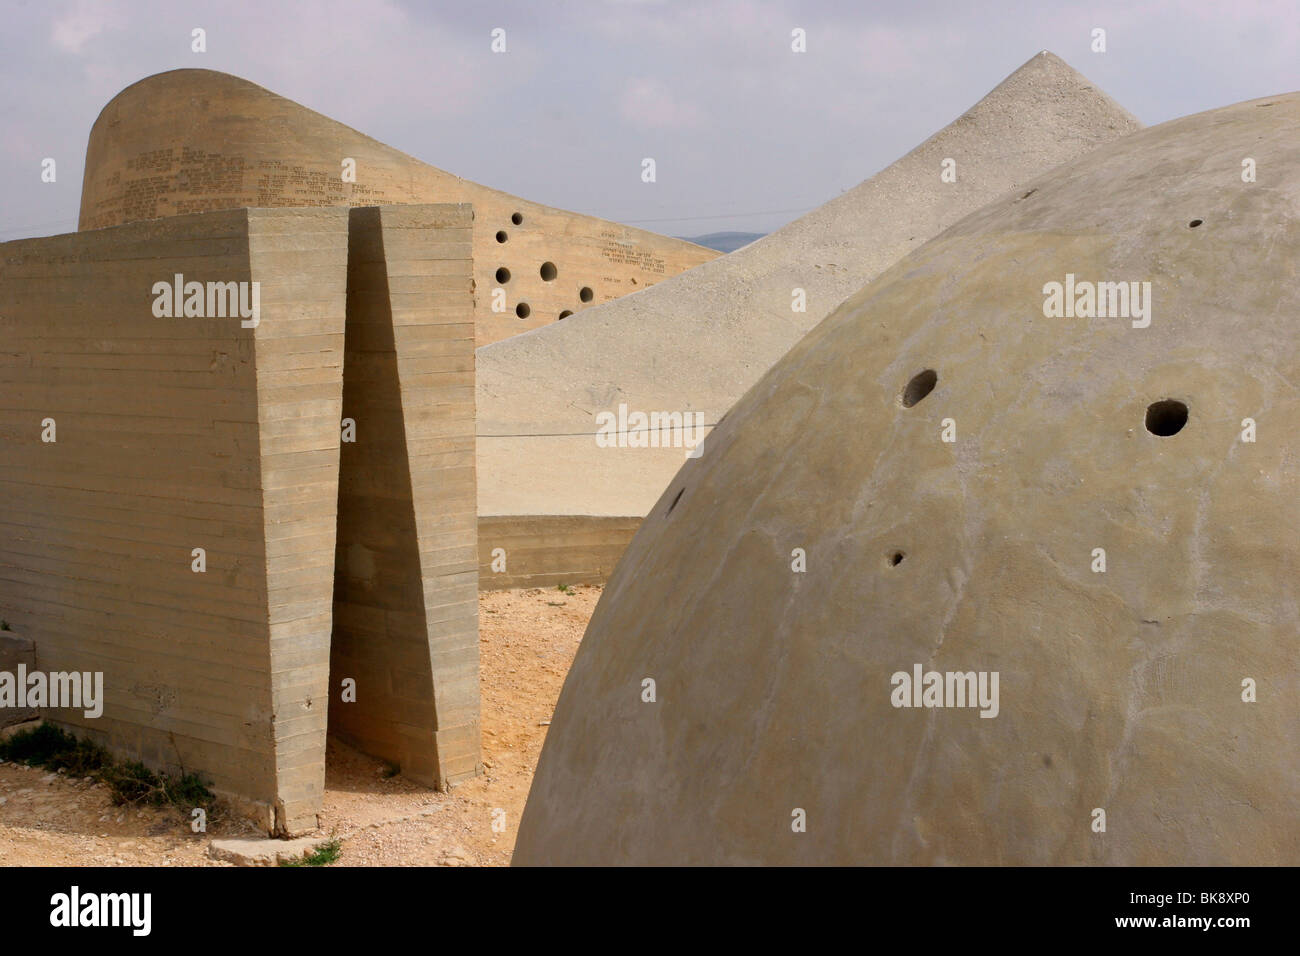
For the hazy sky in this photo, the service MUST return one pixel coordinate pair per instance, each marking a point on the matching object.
(745, 133)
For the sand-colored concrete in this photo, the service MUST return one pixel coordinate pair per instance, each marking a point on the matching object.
(195, 140)
(406, 563)
(173, 434)
(697, 341)
(1159, 689)
(539, 551)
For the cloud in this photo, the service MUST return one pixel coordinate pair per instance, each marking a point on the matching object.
(648, 102)
(86, 20)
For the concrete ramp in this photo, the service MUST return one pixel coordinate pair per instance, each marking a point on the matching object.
(695, 342)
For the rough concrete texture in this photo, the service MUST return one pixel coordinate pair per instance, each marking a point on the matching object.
(1119, 691)
(174, 434)
(14, 651)
(546, 550)
(406, 578)
(698, 341)
(194, 140)
(253, 852)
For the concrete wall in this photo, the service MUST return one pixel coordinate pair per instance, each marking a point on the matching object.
(174, 434)
(16, 652)
(191, 140)
(545, 550)
(406, 601)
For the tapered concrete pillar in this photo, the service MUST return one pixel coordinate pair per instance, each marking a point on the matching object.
(404, 664)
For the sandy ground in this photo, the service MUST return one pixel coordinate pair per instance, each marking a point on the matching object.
(527, 640)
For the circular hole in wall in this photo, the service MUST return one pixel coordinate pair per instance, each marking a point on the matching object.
(896, 558)
(566, 313)
(1194, 223)
(522, 310)
(503, 275)
(921, 385)
(585, 294)
(501, 236)
(1166, 417)
(548, 272)
(517, 218)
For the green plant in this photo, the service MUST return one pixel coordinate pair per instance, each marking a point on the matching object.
(4, 625)
(128, 782)
(564, 589)
(323, 855)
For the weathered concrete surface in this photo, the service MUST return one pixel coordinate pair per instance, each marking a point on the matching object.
(195, 140)
(174, 434)
(1120, 691)
(406, 578)
(255, 852)
(698, 341)
(539, 551)
(16, 650)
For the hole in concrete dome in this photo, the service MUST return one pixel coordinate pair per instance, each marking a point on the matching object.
(501, 236)
(896, 558)
(585, 294)
(503, 275)
(921, 385)
(674, 504)
(517, 218)
(1166, 417)
(1194, 223)
(522, 310)
(548, 271)
(566, 313)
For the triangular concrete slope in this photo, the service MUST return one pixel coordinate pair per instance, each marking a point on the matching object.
(697, 341)
(949, 476)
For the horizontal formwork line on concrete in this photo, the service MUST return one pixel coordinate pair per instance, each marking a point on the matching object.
(41, 481)
(191, 357)
(203, 481)
(95, 549)
(186, 641)
(61, 578)
(199, 712)
(233, 754)
(128, 397)
(161, 258)
(132, 539)
(59, 342)
(290, 605)
(238, 537)
(150, 506)
(189, 633)
(197, 442)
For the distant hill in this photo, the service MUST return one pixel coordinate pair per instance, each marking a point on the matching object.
(724, 241)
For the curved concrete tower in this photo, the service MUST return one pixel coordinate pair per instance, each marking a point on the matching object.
(696, 342)
(1047, 464)
(195, 140)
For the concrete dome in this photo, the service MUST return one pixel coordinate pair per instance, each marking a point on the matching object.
(697, 341)
(1119, 690)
